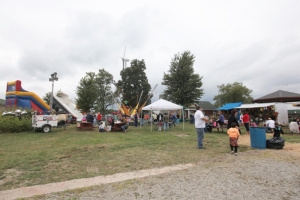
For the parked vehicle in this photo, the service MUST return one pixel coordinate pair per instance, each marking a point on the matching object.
(46, 122)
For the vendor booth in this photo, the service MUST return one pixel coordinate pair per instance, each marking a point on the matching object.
(263, 111)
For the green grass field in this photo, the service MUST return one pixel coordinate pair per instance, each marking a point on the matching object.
(32, 158)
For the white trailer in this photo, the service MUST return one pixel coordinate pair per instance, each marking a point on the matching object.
(46, 122)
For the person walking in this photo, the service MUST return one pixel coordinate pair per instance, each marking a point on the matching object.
(233, 134)
(220, 121)
(232, 118)
(136, 120)
(200, 125)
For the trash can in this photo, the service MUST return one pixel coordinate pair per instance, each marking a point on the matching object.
(258, 138)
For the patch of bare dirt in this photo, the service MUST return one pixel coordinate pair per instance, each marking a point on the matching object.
(288, 147)
(9, 175)
(182, 135)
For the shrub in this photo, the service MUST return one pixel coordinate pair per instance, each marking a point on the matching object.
(12, 124)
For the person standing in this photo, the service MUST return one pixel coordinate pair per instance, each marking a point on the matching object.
(154, 116)
(233, 134)
(246, 121)
(99, 118)
(192, 120)
(200, 125)
(173, 117)
(142, 119)
(160, 117)
(166, 121)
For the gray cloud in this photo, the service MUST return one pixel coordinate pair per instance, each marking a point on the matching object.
(250, 42)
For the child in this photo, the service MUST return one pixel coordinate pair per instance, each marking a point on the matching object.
(234, 134)
(277, 130)
(159, 125)
(101, 127)
(253, 123)
(108, 128)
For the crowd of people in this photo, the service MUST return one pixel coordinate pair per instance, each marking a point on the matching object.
(162, 121)
(203, 124)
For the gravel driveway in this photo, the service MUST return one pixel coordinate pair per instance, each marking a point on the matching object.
(255, 174)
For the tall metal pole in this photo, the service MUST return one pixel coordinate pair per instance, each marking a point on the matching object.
(52, 79)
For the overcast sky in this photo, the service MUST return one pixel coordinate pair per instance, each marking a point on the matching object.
(254, 42)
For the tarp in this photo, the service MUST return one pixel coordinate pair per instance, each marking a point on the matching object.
(229, 106)
(162, 104)
(255, 105)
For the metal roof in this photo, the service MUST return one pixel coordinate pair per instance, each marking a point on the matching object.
(279, 94)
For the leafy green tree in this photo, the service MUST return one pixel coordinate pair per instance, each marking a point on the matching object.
(47, 97)
(183, 85)
(87, 92)
(104, 80)
(235, 92)
(133, 82)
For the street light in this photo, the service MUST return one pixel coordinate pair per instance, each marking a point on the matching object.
(52, 79)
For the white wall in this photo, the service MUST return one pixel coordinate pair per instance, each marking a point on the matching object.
(282, 118)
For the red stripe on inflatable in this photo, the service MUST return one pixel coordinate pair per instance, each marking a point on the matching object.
(18, 85)
(35, 107)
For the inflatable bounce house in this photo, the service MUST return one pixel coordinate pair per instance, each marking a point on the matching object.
(16, 96)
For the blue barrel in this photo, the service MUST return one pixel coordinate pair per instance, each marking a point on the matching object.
(258, 137)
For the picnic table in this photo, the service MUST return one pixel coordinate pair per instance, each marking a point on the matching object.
(117, 126)
(85, 125)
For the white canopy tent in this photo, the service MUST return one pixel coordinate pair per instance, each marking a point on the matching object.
(162, 104)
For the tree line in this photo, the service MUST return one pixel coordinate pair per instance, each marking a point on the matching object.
(182, 86)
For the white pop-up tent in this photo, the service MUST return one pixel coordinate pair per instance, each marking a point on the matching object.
(162, 104)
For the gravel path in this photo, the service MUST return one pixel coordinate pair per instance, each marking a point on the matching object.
(255, 174)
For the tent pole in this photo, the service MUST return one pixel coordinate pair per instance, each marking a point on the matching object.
(151, 120)
(183, 119)
(141, 119)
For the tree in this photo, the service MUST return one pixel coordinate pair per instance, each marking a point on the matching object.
(183, 86)
(87, 92)
(235, 92)
(47, 97)
(133, 82)
(103, 82)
